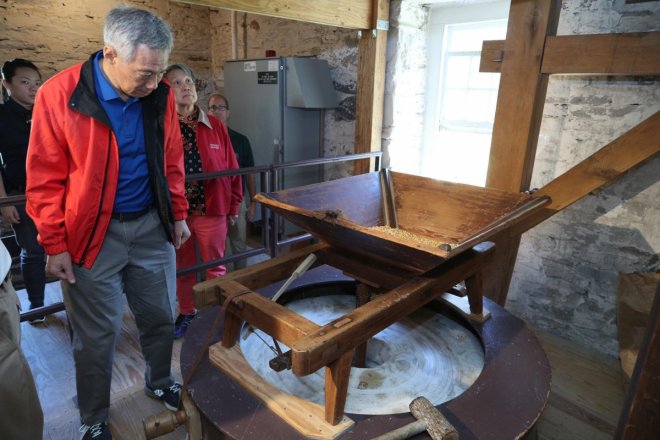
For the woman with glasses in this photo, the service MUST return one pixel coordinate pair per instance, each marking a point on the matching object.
(214, 202)
(20, 81)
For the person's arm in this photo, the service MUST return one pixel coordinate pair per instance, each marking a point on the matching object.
(236, 184)
(10, 213)
(47, 170)
(175, 173)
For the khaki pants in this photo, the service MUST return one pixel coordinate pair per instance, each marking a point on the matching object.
(21, 417)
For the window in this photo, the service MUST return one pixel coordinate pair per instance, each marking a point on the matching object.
(460, 100)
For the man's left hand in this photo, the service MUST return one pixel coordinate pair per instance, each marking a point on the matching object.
(181, 233)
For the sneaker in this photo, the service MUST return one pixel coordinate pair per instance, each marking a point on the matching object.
(39, 319)
(181, 324)
(169, 396)
(98, 431)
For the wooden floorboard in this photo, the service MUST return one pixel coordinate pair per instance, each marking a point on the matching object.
(586, 398)
(48, 351)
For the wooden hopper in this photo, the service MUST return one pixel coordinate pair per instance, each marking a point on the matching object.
(436, 220)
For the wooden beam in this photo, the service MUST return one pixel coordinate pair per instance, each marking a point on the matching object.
(614, 54)
(492, 55)
(521, 94)
(518, 119)
(372, 48)
(636, 53)
(607, 164)
(276, 320)
(342, 335)
(352, 14)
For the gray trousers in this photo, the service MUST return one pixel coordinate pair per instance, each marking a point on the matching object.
(21, 417)
(236, 236)
(136, 259)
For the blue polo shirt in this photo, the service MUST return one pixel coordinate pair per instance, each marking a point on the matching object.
(133, 190)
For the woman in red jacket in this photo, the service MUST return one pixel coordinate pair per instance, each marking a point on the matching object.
(213, 203)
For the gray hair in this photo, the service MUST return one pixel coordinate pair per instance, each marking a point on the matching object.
(182, 67)
(127, 27)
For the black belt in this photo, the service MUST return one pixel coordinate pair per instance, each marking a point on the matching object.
(129, 216)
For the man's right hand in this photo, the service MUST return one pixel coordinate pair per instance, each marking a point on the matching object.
(59, 265)
(10, 214)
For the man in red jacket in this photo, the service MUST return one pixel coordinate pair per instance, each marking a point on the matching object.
(105, 187)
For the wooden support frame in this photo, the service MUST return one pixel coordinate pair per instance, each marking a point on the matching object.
(330, 346)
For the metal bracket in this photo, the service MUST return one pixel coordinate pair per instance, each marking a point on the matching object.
(381, 25)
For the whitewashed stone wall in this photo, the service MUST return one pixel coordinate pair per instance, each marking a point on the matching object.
(566, 276)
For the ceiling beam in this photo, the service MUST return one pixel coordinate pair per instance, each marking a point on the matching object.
(352, 14)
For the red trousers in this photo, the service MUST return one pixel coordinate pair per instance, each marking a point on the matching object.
(209, 232)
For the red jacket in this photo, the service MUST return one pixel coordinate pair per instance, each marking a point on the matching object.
(222, 195)
(73, 163)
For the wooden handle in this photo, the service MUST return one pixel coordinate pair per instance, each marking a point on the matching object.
(163, 423)
(404, 432)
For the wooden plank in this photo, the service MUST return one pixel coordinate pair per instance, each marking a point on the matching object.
(521, 94)
(354, 14)
(586, 386)
(372, 49)
(270, 271)
(306, 417)
(607, 164)
(343, 334)
(276, 320)
(518, 119)
(366, 270)
(641, 411)
(635, 53)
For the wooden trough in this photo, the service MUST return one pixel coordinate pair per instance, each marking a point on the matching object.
(436, 220)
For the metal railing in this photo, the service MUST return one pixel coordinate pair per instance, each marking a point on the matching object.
(271, 243)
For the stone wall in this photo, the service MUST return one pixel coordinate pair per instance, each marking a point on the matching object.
(55, 35)
(566, 276)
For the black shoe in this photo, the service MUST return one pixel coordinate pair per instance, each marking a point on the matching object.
(181, 324)
(98, 431)
(169, 396)
(39, 319)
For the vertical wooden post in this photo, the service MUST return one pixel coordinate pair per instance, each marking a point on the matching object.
(641, 410)
(372, 48)
(362, 297)
(475, 293)
(336, 387)
(517, 120)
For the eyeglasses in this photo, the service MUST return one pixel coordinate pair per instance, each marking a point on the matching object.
(217, 108)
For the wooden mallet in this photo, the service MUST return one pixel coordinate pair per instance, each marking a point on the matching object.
(429, 419)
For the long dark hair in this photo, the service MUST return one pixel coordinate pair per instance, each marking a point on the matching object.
(9, 70)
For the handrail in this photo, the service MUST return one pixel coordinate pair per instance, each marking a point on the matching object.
(268, 183)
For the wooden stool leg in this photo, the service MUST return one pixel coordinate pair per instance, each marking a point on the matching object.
(475, 292)
(336, 387)
(362, 297)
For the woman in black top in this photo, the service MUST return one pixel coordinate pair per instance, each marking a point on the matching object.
(20, 81)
